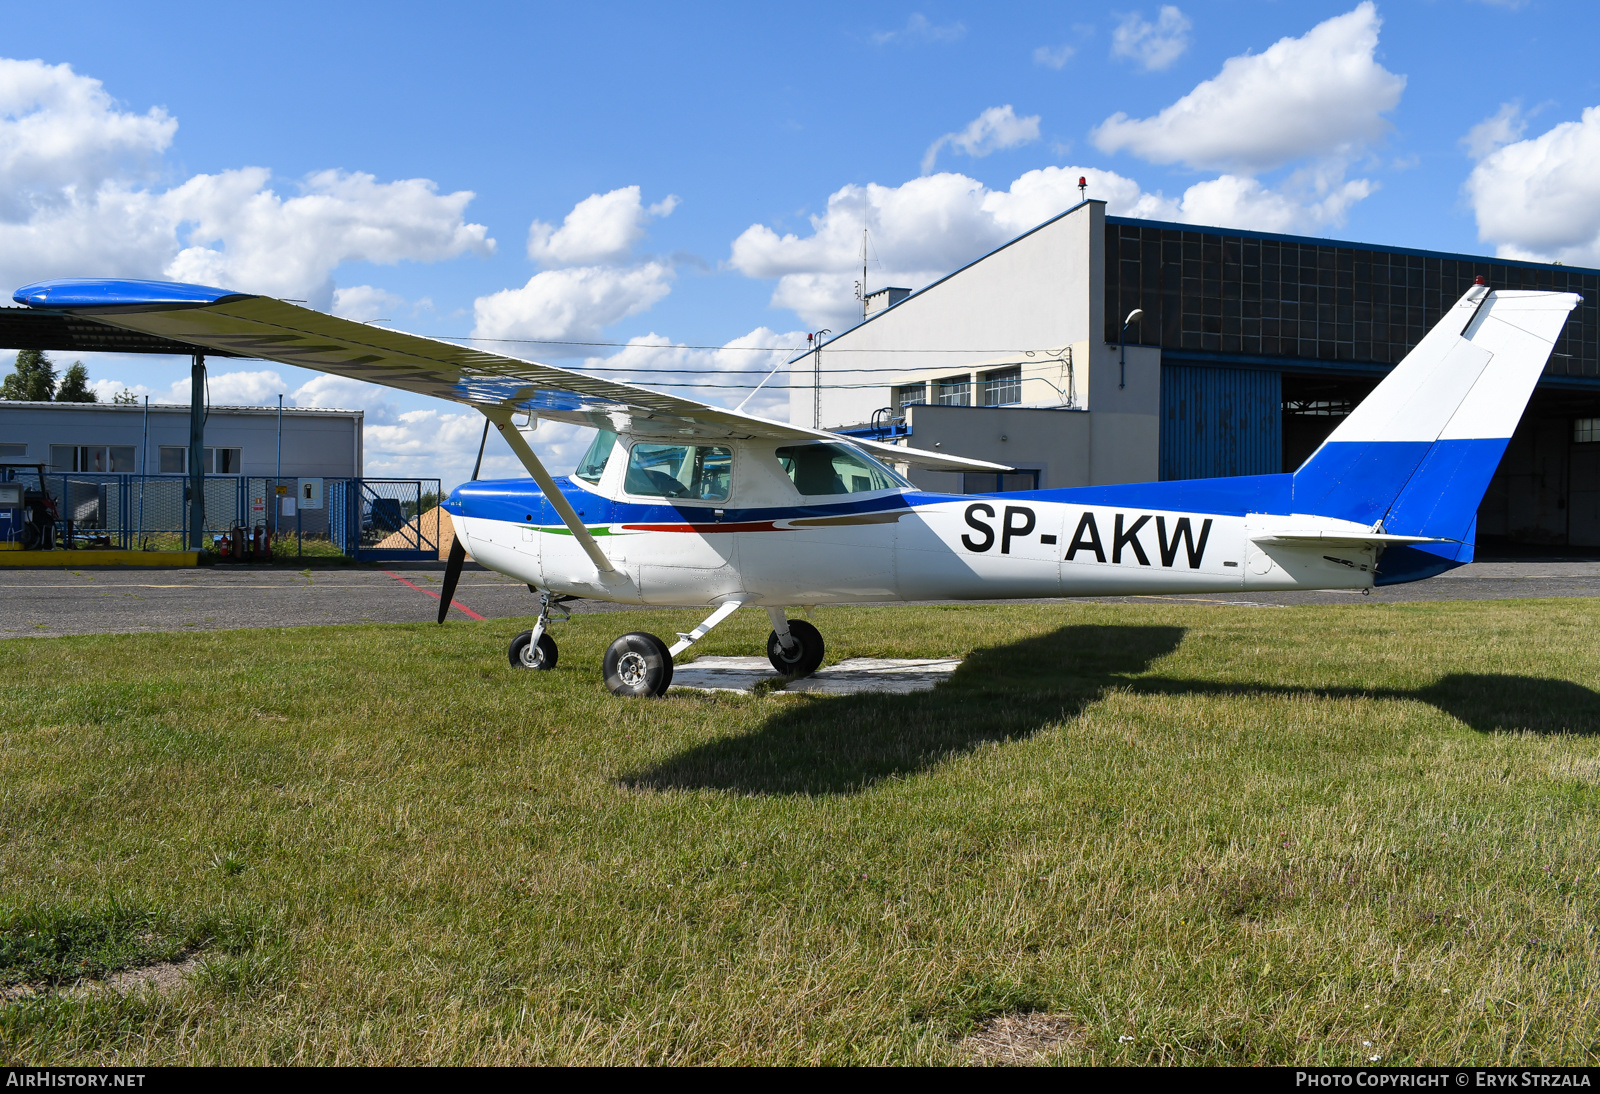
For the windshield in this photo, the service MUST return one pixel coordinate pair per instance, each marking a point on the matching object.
(593, 464)
(835, 469)
(700, 472)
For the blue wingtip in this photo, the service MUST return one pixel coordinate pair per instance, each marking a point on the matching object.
(113, 292)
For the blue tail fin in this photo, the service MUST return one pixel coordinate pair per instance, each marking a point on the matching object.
(1415, 458)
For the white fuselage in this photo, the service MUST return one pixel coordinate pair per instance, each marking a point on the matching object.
(939, 547)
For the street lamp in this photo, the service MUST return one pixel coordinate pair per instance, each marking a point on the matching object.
(1122, 346)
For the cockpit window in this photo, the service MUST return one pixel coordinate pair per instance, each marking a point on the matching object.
(835, 469)
(698, 472)
(593, 464)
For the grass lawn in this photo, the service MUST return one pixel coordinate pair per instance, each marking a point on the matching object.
(1206, 834)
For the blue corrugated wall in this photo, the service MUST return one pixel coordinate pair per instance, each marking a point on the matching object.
(1220, 421)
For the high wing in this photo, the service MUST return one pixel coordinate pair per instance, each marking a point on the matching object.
(259, 326)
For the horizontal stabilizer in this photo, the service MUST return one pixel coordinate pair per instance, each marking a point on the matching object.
(1312, 537)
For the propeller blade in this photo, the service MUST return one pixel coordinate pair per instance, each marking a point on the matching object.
(452, 574)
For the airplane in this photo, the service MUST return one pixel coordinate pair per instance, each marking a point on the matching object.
(680, 503)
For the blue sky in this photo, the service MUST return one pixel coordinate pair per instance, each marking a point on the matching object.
(1451, 125)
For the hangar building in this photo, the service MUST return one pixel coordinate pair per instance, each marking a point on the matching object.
(1251, 348)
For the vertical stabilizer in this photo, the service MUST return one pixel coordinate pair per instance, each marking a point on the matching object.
(1415, 458)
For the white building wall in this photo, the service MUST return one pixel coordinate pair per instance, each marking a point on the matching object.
(1038, 292)
(1043, 292)
(316, 443)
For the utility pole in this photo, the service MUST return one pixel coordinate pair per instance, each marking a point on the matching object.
(144, 470)
(277, 475)
(197, 451)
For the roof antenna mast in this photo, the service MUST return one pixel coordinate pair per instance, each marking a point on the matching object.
(863, 274)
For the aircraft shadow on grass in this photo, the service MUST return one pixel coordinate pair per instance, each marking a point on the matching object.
(846, 743)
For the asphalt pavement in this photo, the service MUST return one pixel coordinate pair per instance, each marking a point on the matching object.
(114, 601)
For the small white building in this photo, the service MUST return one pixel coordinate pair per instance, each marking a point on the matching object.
(240, 441)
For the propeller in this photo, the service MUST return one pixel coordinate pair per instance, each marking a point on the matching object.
(458, 553)
(452, 574)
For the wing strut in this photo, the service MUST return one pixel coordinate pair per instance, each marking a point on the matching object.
(501, 417)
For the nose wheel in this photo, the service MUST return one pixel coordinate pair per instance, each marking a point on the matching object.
(528, 652)
(535, 649)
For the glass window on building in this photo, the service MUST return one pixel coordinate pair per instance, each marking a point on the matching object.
(217, 461)
(1002, 386)
(92, 458)
(1586, 430)
(953, 391)
(13, 451)
(910, 395)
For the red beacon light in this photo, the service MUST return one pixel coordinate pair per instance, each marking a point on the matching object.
(1479, 280)
(1083, 187)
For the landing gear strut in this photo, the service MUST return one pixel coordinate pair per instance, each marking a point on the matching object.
(640, 664)
(535, 649)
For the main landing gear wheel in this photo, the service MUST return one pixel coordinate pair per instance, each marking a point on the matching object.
(526, 654)
(639, 665)
(804, 654)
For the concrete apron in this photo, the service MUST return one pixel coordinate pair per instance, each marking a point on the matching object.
(896, 676)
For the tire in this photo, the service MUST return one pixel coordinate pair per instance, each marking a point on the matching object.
(638, 665)
(800, 662)
(524, 655)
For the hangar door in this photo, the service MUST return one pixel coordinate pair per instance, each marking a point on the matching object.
(1220, 421)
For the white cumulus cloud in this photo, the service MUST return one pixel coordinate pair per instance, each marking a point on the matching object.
(1539, 198)
(932, 225)
(61, 132)
(596, 280)
(571, 304)
(364, 303)
(919, 28)
(1322, 94)
(601, 228)
(1152, 46)
(995, 129)
(76, 200)
(1053, 56)
(1497, 130)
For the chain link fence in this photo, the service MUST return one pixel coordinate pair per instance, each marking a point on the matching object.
(353, 518)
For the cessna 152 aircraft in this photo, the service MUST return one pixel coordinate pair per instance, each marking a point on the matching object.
(681, 503)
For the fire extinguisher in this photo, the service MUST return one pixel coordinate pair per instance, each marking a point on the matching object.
(266, 544)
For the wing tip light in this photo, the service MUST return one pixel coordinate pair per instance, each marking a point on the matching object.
(116, 292)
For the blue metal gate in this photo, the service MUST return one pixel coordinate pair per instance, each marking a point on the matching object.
(1220, 421)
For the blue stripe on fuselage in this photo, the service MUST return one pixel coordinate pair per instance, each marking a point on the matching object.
(521, 502)
(1232, 497)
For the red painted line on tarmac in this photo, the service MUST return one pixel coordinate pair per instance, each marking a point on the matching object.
(456, 604)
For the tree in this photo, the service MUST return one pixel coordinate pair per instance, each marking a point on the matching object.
(125, 398)
(33, 378)
(75, 386)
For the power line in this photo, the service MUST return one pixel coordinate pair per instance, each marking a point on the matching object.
(739, 349)
(735, 371)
